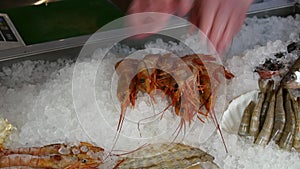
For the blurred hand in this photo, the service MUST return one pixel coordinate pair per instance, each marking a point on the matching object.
(220, 20)
(175, 7)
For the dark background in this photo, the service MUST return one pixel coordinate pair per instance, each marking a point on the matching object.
(59, 19)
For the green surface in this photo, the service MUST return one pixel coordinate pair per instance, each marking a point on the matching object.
(62, 19)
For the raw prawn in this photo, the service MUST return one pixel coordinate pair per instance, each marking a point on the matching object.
(67, 156)
(286, 140)
(190, 83)
(245, 122)
(165, 155)
(279, 117)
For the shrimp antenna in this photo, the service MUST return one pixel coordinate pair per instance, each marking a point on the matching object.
(122, 160)
(179, 128)
(126, 153)
(216, 123)
(215, 120)
(162, 112)
(117, 135)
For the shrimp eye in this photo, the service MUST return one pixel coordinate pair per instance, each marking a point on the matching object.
(83, 161)
(293, 76)
(142, 80)
(176, 86)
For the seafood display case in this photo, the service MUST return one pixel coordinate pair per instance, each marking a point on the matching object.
(68, 47)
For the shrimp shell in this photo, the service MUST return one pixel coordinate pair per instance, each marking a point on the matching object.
(245, 123)
(174, 155)
(254, 123)
(265, 134)
(34, 162)
(61, 149)
(55, 156)
(255, 118)
(151, 64)
(265, 106)
(296, 142)
(51, 162)
(286, 141)
(279, 119)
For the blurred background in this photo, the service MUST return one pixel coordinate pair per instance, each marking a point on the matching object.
(47, 20)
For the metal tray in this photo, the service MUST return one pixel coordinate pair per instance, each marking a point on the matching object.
(71, 47)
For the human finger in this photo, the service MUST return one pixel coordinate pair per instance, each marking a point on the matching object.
(220, 21)
(203, 14)
(183, 7)
(155, 21)
(233, 25)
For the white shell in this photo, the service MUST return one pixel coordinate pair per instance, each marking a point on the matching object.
(233, 115)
